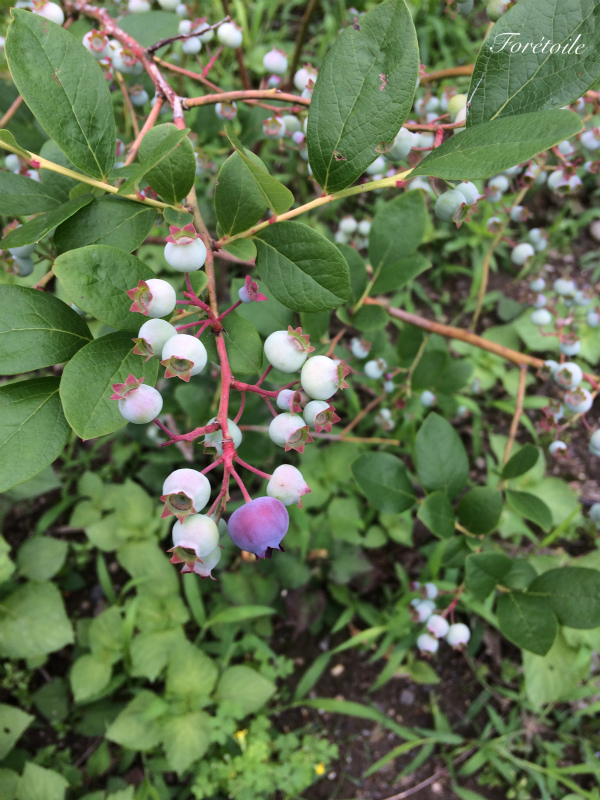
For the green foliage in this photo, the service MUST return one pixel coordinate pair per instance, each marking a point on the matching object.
(173, 176)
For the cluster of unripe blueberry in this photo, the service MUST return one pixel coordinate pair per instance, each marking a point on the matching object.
(21, 256)
(457, 634)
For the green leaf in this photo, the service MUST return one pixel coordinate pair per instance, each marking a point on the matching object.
(483, 571)
(530, 507)
(40, 226)
(479, 510)
(174, 176)
(191, 675)
(521, 462)
(65, 89)
(150, 652)
(440, 456)
(407, 213)
(6, 138)
(244, 689)
(14, 723)
(237, 614)
(352, 709)
(89, 677)
(40, 558)
(243, 344)
(303, 269)
(138, 725)
(186, 738)
(87, 380)
(573, 593)
(96, 279)
(239, 201)
(267, 316)
(153, 157)
(484, 150)
(22, 195)
(358, 271)
(33, 622)
(382, 478)
(106, 220)
(437, 513)
(555, 676)
(527, 621)
(527, 80)
(146, 561)
(363, 94)
(33, 429)
(38, 783)
(150, 27)
(403, 271)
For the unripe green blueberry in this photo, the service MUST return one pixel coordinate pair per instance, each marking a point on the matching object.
(593, 319)
(25, 265)
(469, 191)
(230, 35)
(568, 375)
(24, 251)
(557, 447)
(449, 204)
(428, 399)
(465, 7)
(564, 287)
(499, 183)
(495, 9)
(494, 224)
(197, 532)
(458, 635)
(204, 35)
(138, 6)
(185, 27)
(595, 443)
(541, 316)
(570, 346)
(427, 643)
(153, 336)
(583, 297)
(275, 61)
(321, 377)
(141, 405)
(191, 46)
(287, 350)
(403, 142)
(185, 491)
(595, 512)
(378, 166)
(287, 485)
(292, 124)
(375, 368)
(456, 104)
(183, 356)
(522, 253)
(537, 285)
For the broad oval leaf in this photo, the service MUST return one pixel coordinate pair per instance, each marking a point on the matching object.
(363, 94)
(437, 513)
(22, 195)
(440, 456)
(533, 78)
(244, 346)
(239, 201)
(35, 230)
(150, 27)
(303, 269)
(33, 429)
(484, 150)
(573, 593)
(530, 507)
(483, 571)
(96, 279)
(106, 220)
(245, 689)
(521, 462)
(87, 380)
(382, 478)
(527, 621)
(33, 622)
(37, 330)
(65, 89)
(173, 177)
(479, 510)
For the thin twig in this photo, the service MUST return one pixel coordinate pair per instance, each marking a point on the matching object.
(152, 117)
(11, 111)
(128, 103)
(514, 425)
(368, 408)
(331, 437)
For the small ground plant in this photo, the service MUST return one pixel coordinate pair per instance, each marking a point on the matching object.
(276, 401)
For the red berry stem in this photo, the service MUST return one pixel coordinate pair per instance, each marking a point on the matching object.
(262, 474)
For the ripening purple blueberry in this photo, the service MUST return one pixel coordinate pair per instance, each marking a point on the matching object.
(259, 526)
(458, 635)
(287, 485)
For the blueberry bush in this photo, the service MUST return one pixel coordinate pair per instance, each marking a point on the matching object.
(289, 313)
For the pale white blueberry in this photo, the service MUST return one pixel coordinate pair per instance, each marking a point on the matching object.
(168, 5)
(539, 301)
(348, 225)
(557, 447)
(437, 626)
(378, 166)
(458, 634)
(315, 413)
(537, 285)
(469, 191)
(568, 375)
(274, 127)
(456, 104)
(230, 35)
(401, 146)
(196, 532)
(303, 76)
(420, 183)
(423, 609)
(339, 237)
(137, 403)
(183, 356)
(138, 6)
(287, 350)
(364, 227)
(138, 96)
(25, 266)
(593, 319)
(154, 297)
(12, 163)
(153, 336)
(97, 44)
(539, 239)
(595, 512)
(499, 183)
(579, 400)
(557, 180)
(321, 377)
(460, 117)
(360, 348)
(284, 429)
(389, 386)
(522, 253)
(494, 224)
(431, 591)
(428, 398)
(591, 139)
(124, 60)
(185, 27)
(425, 139)
(49, 11)
(375, 368)
(595, 443)
(215, 439)
(583, 297)
(449, 204)
(570, 346)
(519, 213)
(541, 316)
(287, 485)
(493, 196)
(427, 643)
(226, 111)
(191, 46)
(204, 35)
(564, 287)
(275, 61)
(187, 256)
(185, 491)
(565, 148)
(552, 365)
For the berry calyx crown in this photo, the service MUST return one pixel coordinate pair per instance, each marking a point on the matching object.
(122, 390)
(301, 341)
(176, 367)
(185, 235)
(141, 296)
